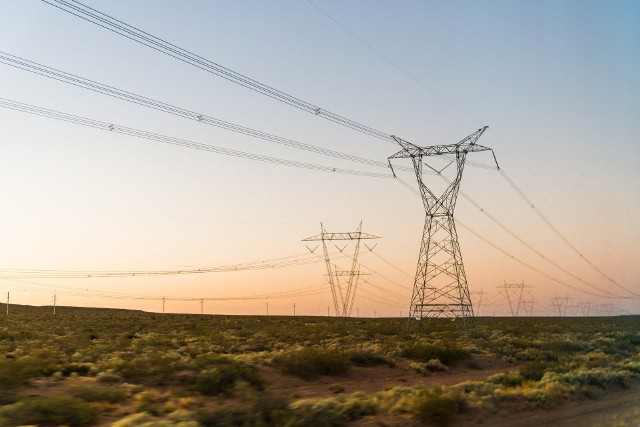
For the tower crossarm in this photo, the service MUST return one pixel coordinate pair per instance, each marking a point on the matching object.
(467, 145)
(340, 236)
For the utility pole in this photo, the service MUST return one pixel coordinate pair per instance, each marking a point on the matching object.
(327, 311)
(163, 301)
(267, 308)
(294, 309)
(342, 299)
(440, 287)
(7, 303)
(54, 303)
(201, 305)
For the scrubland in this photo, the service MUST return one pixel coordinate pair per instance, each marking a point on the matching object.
(86, 367)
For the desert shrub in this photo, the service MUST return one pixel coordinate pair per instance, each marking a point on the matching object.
(332, 411)
(108, 377)
(633, 367)
(74, 368)
(99, 393)
(600, 378)
(219, 374)
(266, 410)
(426, 368)
(436, 407)
(562, 346)
(143, 419)
(211, 382)
(149, 401)
(16, 371)
(446, 353)
(366, 357)
(150, 368)
(507, 379)
(534, 370)
(309, 363)
(547, 396)
(49, 411)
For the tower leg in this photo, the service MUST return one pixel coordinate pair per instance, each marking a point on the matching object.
(440, 287)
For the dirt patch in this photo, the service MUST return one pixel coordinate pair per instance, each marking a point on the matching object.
(378, 378)
(617, 407)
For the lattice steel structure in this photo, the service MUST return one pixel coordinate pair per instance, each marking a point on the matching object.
(440, 287)
(343, 294)
(513, 293)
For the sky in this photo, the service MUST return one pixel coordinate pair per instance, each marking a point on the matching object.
(556, 82)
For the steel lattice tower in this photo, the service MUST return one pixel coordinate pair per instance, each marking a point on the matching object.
(343, 293)
(440, 287)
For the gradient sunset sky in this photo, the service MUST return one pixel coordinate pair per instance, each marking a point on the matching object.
(557, 82)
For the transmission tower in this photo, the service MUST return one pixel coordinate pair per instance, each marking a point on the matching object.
(516, 297)
(528, 302)
(584, 308)
(440, 286)
(343, 293)
(478, 302)
(559, 305)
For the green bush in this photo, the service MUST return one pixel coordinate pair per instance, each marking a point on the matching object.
(265, 411)
(446, 353)
(309, 363)
(15, 372)
(211, 382)
(507, 379)
(99, 393)
(436, 407)
(219, 374)
(153, 368)
(333, 412)
(49, 411)
(562, 346)
(364, 357)
(534, 370)
(81, 370)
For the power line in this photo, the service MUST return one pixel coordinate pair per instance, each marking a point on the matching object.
(109, 211)
(92, 85)
(385, 277)
(397, 296)
(389, 263)
(395, 65)
(293, 260)
(119, 27)
(610, 295)
(57, 115)
(529, 266)
(559, 234)
(526, 244)
(76, 291)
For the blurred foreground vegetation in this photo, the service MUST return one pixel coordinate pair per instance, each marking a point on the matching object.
(129, 368)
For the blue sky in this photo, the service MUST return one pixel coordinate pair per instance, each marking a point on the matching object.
(557, 82)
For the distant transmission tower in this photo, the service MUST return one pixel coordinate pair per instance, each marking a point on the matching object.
(343, 293)
(514, 293)
(440, 287)
(559, 305)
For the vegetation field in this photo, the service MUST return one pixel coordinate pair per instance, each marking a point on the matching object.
(86, 367)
